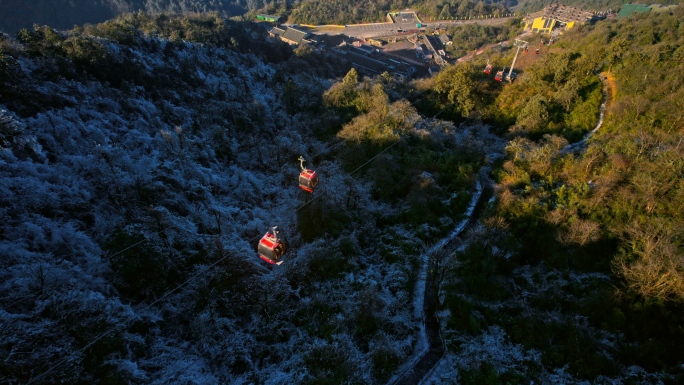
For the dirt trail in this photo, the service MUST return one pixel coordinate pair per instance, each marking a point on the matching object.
(609, 83)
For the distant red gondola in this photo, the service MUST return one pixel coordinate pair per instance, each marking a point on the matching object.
(488, 69)
(271, 247)
(499, 76)
(308, 179)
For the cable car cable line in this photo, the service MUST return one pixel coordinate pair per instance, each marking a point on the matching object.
(149, 307)
(395, 186)
(353, 172)
(371, 159)
(330, 146)
(207, 269)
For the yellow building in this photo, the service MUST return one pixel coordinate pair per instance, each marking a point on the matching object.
(557, 16)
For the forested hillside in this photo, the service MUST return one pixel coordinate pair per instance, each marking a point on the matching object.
(529, 6)
(348, 11)
(578, 265)
(65, 14)
(143, 158)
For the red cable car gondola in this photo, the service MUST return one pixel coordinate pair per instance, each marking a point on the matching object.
(271, 247)
(488, 69)
(308, 179)
(499, 76)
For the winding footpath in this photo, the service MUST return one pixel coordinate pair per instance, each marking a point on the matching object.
(422, 365)
(428, 297)
(608, 92)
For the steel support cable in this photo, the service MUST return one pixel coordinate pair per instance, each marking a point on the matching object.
(169, 292)
(332, 145)
(149, 307)
(371, 159)
(115, 254)
(326, 148)
(353, 172)
(395, 186)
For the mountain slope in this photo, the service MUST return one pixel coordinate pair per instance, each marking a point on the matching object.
(65, 14)
(143, 158)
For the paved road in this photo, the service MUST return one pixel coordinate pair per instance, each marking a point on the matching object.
(385, 29)
(388, 29)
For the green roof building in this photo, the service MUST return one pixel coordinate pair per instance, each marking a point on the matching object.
(271, 18)
(630, 9)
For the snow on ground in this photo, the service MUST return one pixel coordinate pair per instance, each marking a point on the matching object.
(491, 347)
(422, 345)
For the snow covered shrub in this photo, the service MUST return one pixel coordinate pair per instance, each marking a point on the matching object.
(322, 217)
(139, 272)
(385, 361)
(331, 364)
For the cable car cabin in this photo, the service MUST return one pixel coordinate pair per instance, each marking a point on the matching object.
(488, 69)
(526, 49)
(308, 179)
(536, 51)
(271, 248)
(499, 76)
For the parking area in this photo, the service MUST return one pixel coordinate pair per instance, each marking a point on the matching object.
(377, 29)
(405, 17)
(371, 27)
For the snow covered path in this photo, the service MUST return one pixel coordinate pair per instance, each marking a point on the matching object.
(582, 143)
(429, 375)
(426, 299)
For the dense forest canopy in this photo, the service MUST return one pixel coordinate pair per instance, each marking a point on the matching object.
(65, 14)
(591, 5)
(142, 158)
(348, 12)
(608, 217)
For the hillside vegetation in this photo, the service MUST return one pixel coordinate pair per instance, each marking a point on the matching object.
(349, 11)
(142, 158)
(65, 14)
(580, 259)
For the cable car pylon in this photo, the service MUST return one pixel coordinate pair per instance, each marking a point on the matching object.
(520, 44)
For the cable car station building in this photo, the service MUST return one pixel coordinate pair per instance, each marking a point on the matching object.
(557, 16)
(290, 35)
